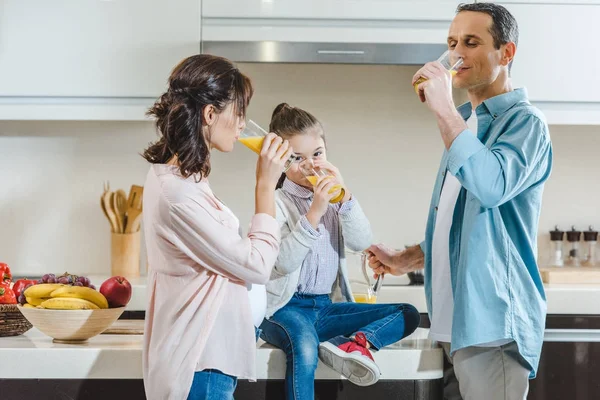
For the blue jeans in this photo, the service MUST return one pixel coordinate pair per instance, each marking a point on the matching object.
(212, 384)
(307, 320)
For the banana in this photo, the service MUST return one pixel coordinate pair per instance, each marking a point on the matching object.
(68, 303)
(81, 292)
(27, 305)
(41, 290)
(34, 301)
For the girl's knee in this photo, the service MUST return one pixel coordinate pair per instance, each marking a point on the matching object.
(412, 318)
(306, 351)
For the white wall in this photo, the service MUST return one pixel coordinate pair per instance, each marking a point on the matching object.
(379, 135)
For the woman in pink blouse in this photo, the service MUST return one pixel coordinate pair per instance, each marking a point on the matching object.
(199, 336)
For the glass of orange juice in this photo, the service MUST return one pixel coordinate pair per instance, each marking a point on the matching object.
(253, 137)
(315, 175)
(449, 61)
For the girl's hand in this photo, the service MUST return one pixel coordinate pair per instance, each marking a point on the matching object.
(324, 164)
(321, 199)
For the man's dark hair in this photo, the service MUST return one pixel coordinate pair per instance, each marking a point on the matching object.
(504, 27)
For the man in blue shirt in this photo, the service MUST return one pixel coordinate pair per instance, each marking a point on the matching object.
(485, 296)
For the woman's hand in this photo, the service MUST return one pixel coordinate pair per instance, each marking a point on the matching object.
(273, 156)
(269, 167)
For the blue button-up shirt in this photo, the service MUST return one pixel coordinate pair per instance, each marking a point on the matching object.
(497, 288)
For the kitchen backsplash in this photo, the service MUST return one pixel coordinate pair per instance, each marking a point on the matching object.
(382, 139)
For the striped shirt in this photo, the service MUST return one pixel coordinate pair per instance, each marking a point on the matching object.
(320, 267)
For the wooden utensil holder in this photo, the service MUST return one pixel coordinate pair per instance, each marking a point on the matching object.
(125, 254)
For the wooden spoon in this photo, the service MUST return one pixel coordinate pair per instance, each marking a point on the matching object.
(106, 200)
(119, 207)
(134, 209)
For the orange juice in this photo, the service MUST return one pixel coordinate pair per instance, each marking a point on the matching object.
(365, 298)
(313, 181)
(421, 80)
(254, 143)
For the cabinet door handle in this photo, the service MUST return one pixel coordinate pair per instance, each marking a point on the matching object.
(572, 335)
(342, 52)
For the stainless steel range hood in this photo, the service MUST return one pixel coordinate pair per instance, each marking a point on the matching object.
(327, 53)
(325, 31)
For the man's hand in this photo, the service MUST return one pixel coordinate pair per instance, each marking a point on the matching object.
(384, 260)
(436, 91)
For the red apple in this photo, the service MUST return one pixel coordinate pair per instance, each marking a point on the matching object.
(117, 291)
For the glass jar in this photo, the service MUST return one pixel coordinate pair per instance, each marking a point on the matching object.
(556, 256)
(573, 256)
(590, 252)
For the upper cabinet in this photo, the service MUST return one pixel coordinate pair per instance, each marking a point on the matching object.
(409, 10)
(110, 59)
(557, 56)
(557, 59)
(326, 31)
(93, 49)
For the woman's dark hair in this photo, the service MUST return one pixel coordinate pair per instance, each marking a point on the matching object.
(288, 121)
(195, 83)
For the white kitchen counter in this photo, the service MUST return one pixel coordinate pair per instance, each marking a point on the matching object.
(562, 299)
(34, 356)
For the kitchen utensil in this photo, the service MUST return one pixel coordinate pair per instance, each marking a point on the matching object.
(372, 289)
(115, 209)
(108, 209)
(125, 254)
(134, 209)
(367, 271)
(103, 207)
(119, 205)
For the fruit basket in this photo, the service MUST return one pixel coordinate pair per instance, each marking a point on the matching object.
(12, 321)
(71, 326)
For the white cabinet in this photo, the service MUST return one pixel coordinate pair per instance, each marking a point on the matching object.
(332, 9)
(558, 57)
(93, 48)
(327, 31)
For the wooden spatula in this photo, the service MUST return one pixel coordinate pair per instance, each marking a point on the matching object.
(107, 207)
(119, 205)
(134, 209)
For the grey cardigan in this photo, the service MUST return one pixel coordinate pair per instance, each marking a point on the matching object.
(355, 233)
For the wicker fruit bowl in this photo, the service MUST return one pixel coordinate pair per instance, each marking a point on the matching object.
(12, 321)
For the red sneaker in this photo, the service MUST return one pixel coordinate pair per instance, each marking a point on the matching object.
(351, 358)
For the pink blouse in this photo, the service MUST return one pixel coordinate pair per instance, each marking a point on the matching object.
(198, 315)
